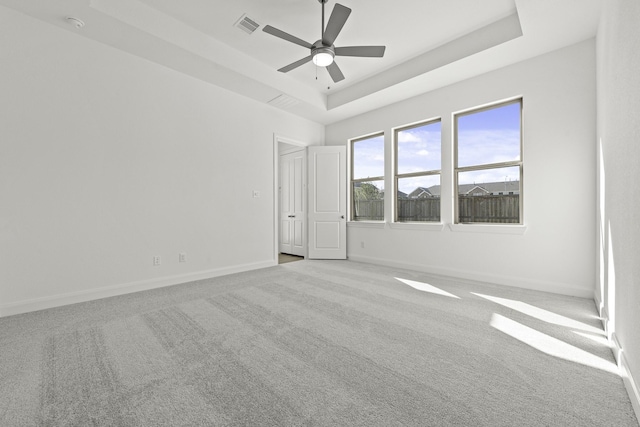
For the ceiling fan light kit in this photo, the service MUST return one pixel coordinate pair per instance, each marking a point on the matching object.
(323, 56)
(323, 52)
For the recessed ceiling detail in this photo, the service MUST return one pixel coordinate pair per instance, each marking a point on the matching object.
(484, 38)
(428, 44)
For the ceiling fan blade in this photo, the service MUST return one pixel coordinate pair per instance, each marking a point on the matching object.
(295, 64)
(335, 72)
(367, 51)
(286, 36)
(337, 19)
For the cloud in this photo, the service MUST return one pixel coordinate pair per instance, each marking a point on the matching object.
(480, 147)
(408, 137)
(422, 153)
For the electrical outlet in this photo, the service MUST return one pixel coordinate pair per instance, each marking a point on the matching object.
(182, 257)
(157, 260)
(256, 194)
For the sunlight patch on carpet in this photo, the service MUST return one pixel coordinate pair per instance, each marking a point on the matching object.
(425, 287)
(599, 339)
(541, 314)
(550, 345)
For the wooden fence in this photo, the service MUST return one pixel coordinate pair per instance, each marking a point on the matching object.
(419, 209)
(486, 209)
(369, 210)
(493, 209)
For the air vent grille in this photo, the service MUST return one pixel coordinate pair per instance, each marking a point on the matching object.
(283, 101)
(246, 24)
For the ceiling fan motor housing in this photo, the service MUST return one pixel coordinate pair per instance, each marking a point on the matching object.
(319, 47)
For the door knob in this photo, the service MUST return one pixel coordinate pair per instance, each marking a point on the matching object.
(342, 216)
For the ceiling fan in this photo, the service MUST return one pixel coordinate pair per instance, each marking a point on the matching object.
(323, 51)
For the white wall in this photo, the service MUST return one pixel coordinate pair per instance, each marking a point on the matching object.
(556, 252)
(618, 258)
(107, 160)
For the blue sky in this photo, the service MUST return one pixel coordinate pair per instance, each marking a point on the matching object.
(368, 156)
(489, 136)
(419, 149)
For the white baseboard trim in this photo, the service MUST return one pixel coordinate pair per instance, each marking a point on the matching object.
(630, 383)
(602, 311)
(43, 303)
(518, 282)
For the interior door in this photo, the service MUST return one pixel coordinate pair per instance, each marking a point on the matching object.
(292, 203)
(327, 202)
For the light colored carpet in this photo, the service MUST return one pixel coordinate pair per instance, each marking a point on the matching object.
(313, 343)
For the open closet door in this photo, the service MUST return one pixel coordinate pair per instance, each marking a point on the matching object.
(327, 202)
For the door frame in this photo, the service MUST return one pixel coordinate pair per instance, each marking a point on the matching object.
(293, 145)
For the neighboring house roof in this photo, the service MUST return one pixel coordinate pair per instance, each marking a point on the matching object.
(421, 192)
(400, 194)
(475, 190)
(504, 187)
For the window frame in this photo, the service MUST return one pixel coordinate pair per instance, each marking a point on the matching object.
(487, 166)
(352, 180)
(397, 176)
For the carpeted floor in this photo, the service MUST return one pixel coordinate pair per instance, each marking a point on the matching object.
(317, 343)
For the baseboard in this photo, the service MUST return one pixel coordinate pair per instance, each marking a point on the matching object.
(602, 311)
(43, 303)
(630, 383)
(518, 282)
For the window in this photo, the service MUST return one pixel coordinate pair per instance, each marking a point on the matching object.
(417, 172)
(367, 178)
(488, 164)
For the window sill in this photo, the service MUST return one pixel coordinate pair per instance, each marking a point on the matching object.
(366, 224)
(518, 229)
(424, 226)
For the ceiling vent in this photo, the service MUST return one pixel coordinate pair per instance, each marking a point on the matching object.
(246, 24)
(283, 101)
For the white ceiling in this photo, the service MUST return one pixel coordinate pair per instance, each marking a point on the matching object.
(429, 43)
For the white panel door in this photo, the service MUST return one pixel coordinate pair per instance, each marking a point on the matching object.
(292, 203)
(327, 202)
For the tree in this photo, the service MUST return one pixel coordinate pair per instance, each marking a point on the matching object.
(366, 191)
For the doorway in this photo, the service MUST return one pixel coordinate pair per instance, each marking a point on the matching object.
(314, 229)
(291, 214)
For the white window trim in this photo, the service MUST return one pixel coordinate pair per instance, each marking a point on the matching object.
(366, 224)
(418, 226)
(498, 228)
(396, 176)
(351, 180)
(491, 227)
